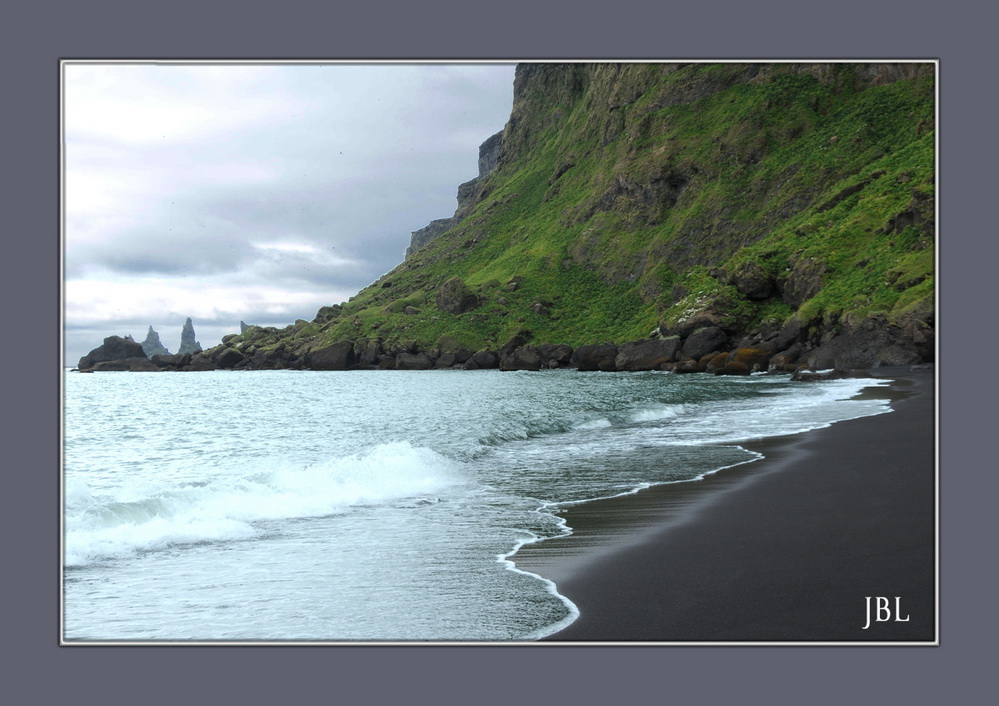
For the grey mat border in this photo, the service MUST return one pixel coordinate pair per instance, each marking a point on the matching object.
(35, 37)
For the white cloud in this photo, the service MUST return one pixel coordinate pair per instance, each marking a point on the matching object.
(243, 192)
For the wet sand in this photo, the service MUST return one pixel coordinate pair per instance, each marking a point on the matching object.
(784, 549)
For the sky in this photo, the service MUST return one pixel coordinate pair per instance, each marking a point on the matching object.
(254, 192)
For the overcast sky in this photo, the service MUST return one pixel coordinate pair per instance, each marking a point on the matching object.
(254, 192)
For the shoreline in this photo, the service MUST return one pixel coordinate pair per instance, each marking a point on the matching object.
(786, 548)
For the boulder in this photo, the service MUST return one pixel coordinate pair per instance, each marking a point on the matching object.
(711, 363)
(229, 358)
(527, 357)
(337, 356)
(448, 345)
(367, 352)
(753, 358)
(805, 280)
(202, 362)
(482, 360)
(703, 341)
(556, 355)
(175, 361)
(600, 356)
(648, 354)
(688, 365)
(515, 342)
(733, 368)
(413, 361)
(870, 343)
(454, 297)
(753, 282)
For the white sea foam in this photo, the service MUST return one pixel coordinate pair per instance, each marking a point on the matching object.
(657, 413)
(104, 526)
(600, 423)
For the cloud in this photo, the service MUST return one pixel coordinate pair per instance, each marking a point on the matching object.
(228, 192)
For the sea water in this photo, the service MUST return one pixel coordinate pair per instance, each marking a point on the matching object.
(372, 505)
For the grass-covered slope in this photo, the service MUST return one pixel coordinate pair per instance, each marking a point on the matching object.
(635, 198)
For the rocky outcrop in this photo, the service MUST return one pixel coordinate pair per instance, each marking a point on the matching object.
(647, 355)
(338, 356)
(703, 341)
(116, 350)
(152, 345)
(601, 356)
(469, 194)
(188, 344)
(454, 297)
(871, 343)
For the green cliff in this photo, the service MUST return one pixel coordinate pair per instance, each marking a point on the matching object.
(782, 204)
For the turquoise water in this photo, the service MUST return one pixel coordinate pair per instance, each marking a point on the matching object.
(372, 505)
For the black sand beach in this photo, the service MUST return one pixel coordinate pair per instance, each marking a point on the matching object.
(785, 549)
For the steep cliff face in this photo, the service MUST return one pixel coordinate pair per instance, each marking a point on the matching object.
(469, 194)
(781, 204)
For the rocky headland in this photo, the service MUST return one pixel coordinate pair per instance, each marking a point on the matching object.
(722, 219)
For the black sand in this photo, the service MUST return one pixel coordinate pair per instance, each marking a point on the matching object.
(785, 549)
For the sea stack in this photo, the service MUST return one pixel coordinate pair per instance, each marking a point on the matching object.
(187, 342)
(152, 345)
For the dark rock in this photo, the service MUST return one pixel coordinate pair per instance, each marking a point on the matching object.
(600, 356)
(527, 357)
(176, 361)
(709, 316)
(113, 348)
(688, 365)
(446, 360)
(784, 358)
(202, 361)
(556, 355)
(753, 282)
(870, 344)
(806, 278)
(790, 333)
(515, 342)
(327, 314)
(229, 358)
(752, 358)
(337, 356)
(137, 364)
(368, 352)
(450, 345)
(714, 362)
(703, 341)
(648, 354)
(454, 297)
(152, 345)
(413, 361)
(482, 360)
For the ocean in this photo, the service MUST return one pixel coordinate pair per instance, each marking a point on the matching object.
(373, 506)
